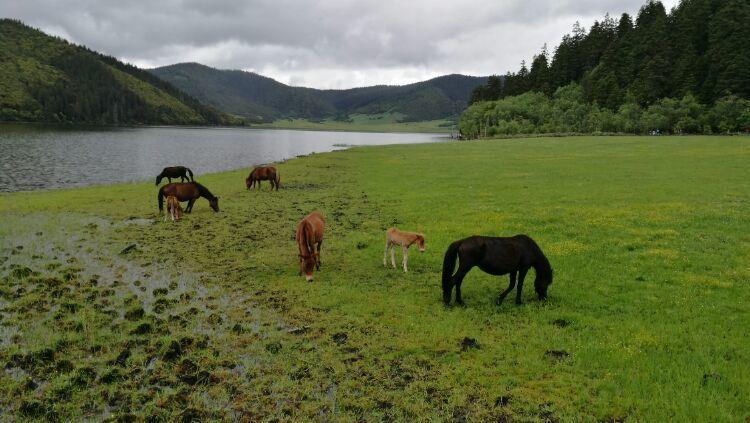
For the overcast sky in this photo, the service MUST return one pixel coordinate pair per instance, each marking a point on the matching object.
(321, 43)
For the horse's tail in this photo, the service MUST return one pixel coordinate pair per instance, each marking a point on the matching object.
(449, 264)
(161, 200)
(190, 172)
(541, 266)
(278, 180)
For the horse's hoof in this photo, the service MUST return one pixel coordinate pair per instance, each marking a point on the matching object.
(518, 303)
(498, 301)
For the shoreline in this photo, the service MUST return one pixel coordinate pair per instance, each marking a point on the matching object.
(91, 126)
(335, 148)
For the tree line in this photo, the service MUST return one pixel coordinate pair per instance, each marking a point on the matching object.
(673, 72)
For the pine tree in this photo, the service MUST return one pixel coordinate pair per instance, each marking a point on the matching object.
(729, 54)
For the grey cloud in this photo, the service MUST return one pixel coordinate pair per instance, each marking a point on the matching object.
(303, 41)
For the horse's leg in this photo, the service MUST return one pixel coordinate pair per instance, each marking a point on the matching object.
(317, 262)
(406, 257)
(458, 278)
(511, 285)
(521, 275)
(393, 255)
(385, 254)
(190, 205)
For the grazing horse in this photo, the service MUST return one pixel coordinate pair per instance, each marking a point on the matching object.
(309, 235)
(395, 237)
(187, 191)
(263, 173)
(175, 172)
(496, 256)
(173, 208)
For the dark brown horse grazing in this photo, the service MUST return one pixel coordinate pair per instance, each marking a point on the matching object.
(263, 173)
(187, 191)
(309, 235)
(496, 256)
(175, 172)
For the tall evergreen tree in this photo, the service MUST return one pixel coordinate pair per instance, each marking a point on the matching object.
(729, 52)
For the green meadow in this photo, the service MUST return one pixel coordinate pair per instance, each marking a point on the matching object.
(106, 311)
(380, 122)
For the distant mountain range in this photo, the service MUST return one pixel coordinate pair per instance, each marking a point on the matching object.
(261, 99)
(47, 79)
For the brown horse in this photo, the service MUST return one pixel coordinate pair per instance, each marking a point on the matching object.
(309, 235)
(263, 173)
(187, 191)
(175, 172)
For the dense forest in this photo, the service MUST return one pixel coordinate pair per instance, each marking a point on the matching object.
(686, 71)
(47, 79)
(261, 99)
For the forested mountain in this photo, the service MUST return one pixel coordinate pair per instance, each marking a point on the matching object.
(622, 70)
(47, 79)
(259, 98)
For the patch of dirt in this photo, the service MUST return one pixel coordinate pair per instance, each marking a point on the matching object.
(469, 344)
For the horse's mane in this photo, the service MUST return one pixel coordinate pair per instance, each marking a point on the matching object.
(203, 190)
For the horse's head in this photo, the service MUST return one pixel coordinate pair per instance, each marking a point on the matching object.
(214, 203)
(420, 243)
(248, 181)
(542, 281)
(158, 180)
(307, 265)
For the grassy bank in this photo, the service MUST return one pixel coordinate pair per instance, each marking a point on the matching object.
(646, 319)
(384, 122)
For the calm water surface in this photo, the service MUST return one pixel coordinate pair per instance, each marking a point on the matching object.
(41, 157)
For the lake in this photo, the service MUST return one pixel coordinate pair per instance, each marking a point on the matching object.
(34, 157)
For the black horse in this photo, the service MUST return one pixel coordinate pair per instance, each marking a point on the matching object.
(175, 172)
(496, 256)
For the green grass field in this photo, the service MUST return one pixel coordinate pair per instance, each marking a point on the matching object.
(383, 122)
(646, 320)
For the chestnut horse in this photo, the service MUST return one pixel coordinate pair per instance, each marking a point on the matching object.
(309, 235)
(497, 256)
(187, 191)
(263, 173)
(175, 172)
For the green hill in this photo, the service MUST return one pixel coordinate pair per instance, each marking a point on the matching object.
(47, 79)
(263, 99)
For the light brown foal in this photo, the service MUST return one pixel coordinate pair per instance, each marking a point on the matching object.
(395, 237)
(173, 208)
